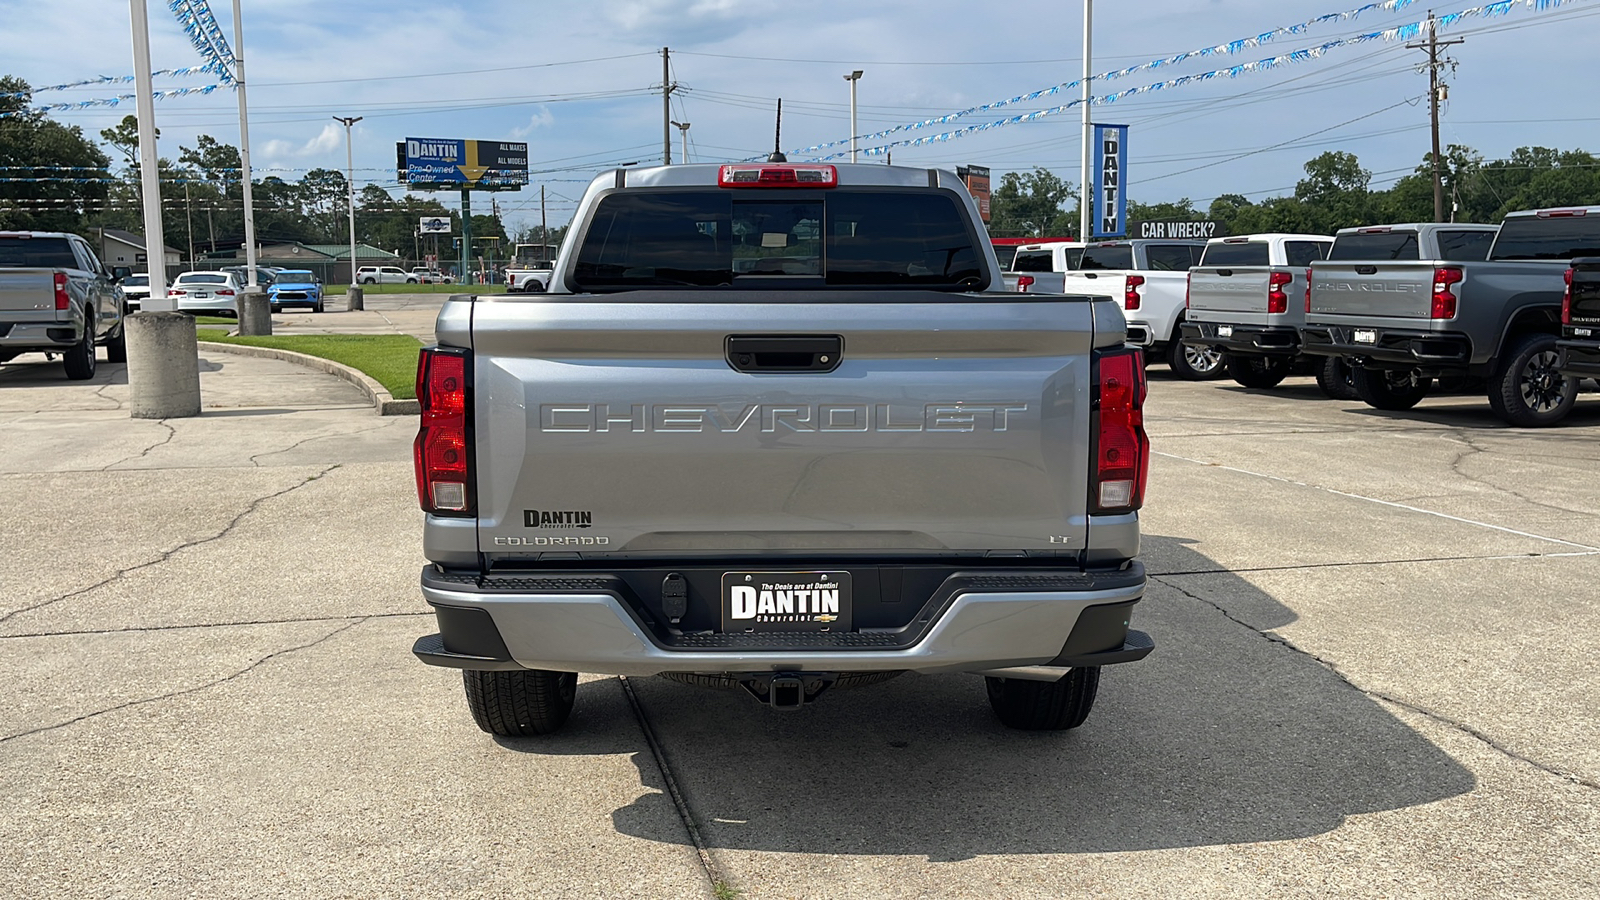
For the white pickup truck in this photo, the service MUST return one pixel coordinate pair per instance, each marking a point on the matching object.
(1037, 268)
(1247, 301)
(1148, 279)
(528, 281)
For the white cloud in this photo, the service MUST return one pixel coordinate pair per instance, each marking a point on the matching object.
(329, 139)
(540, 119)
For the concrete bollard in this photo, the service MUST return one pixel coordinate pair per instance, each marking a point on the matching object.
(354, 299)
(255, 313)
(163, 365)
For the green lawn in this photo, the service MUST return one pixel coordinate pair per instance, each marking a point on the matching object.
(391, 359)
(331, 290)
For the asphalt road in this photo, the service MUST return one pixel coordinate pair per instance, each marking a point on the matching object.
(1374, 678)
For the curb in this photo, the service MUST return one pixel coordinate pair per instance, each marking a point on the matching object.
(383, 403)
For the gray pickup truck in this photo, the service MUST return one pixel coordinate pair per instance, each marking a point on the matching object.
(1580, 320)
(1245, 301)
(779, 428)
(56, 297)
(1490, 324)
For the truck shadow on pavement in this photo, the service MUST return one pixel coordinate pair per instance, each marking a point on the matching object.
(1224, 735)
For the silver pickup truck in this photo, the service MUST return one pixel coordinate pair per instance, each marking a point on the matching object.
(1492, 324)
(778, 428)
(56, 297)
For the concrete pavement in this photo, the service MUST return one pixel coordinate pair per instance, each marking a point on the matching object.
(1372, 680)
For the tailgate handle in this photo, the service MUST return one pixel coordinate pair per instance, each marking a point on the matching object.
(1225, 273)
(1366, 270)
(1091, 274)
(784, 352)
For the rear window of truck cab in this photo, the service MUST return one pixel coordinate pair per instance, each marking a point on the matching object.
(1237, 253)
(36, 253)
(776, 239)
(1547, 237)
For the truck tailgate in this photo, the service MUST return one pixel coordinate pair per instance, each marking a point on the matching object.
(1400, 290)
(952, 422)
(28, 295)
(1227, 290)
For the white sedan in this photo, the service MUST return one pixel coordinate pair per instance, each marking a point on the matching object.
(214, 292)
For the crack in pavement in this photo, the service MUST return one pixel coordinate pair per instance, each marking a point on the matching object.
(168, 554)
(171, 433)
(100, 392)
(320, 437)
(197, 626)
(1475, 449)
(191, 690)
(1433, 715)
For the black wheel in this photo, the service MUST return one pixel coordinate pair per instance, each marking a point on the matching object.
(1389, 389)
(1335, 378)
(117, 346)
(1528, 390)
(316, 307)
(1257, 371)
(520, 704)
(1044, 705)
(1194, 363)
(79, 360)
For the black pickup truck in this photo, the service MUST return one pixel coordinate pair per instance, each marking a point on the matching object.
(1580, 320)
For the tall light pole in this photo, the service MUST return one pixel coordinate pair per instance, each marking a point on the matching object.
(1085, 202)
(350, 176)
(155, 243)
(244, 149)
(683, 130)
(853, 77)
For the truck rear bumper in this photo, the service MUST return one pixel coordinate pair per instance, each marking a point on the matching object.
(488, 628)
(1387, 346)
(1580, 359)
(40, 335)
(1254, 340)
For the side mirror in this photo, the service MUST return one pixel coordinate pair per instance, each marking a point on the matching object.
(120, 272)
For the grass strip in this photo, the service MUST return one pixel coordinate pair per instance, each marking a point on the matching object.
(390, 359)
(330, 290)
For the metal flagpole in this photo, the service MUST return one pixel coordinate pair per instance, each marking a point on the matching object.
(155, 243)
(1085, 202)
(244, 147)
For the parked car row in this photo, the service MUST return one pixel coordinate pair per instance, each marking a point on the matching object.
(1395, 312)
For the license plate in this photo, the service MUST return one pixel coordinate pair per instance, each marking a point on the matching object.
(786, 601)
(1224, 331)
(1581, 332)
(1366, 336)
(198, 295)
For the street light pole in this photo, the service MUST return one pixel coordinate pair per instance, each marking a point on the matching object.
(1085, 202)
(853, 77)
(350, 176)
(155, 244)
(683, 130)
(244, 149)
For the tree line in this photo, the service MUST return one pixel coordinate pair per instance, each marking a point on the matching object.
(1336, 193)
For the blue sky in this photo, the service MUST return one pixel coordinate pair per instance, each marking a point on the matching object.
(579, 81)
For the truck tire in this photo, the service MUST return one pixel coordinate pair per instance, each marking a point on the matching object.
(1528, 391)
(1260, 372)
(117, 346)
(1044, 705)
(1336, 379)
(1389, 389)
(521, 703)
(1194, 363)
(79, 360)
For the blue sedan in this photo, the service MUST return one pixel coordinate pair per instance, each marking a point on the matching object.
(295, 287)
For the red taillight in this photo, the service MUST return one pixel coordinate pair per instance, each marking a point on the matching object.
(63, 300)
(1277, 300)
(1122, 450)
(1188, 282)
(1023, 283)
(1444, 300)
(769, 176)
(441, 453)
(1308, 290)
(1130, 291)
(225, 292)
(1561, 213)
(1566, 301)
(176, 293)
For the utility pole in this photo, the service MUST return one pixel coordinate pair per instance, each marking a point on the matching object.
(1085, 202)
(1435, 90)
(544, 228)
(667, 87)
(683, 131)
(853, 77)
(244, 149)
(155, 245)
(350, 177)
